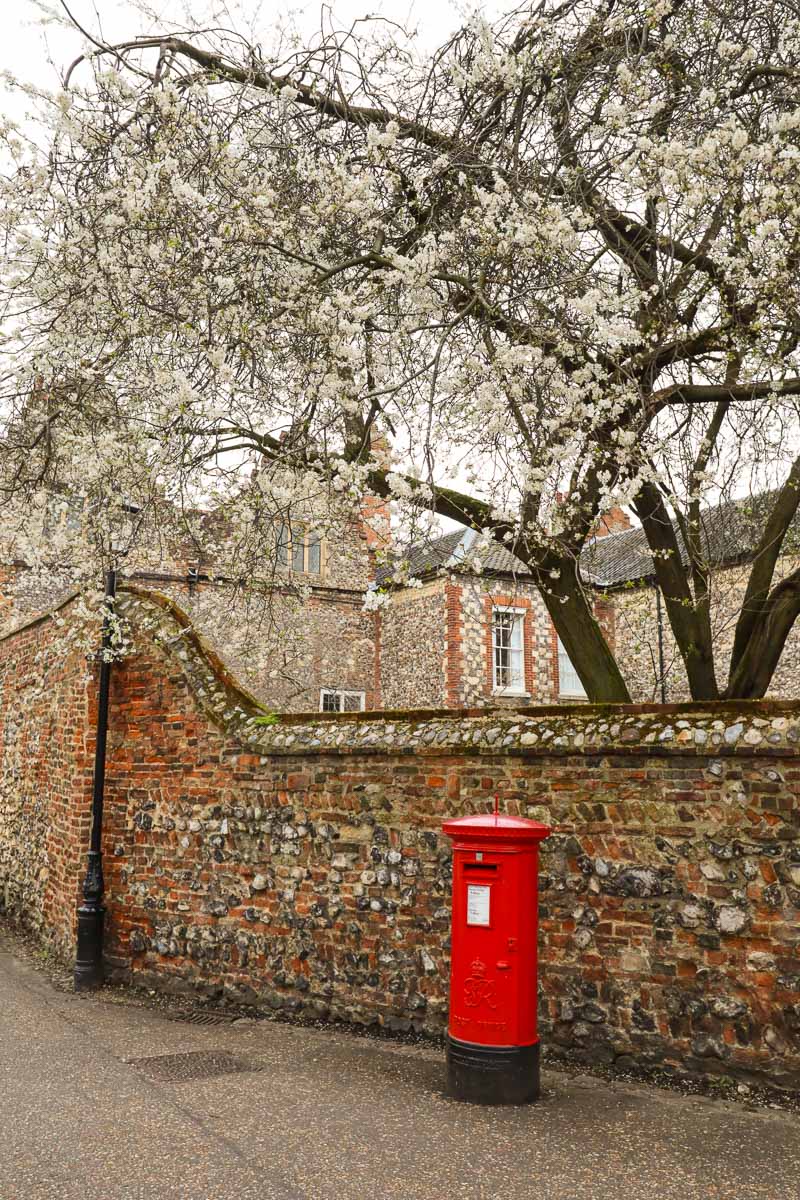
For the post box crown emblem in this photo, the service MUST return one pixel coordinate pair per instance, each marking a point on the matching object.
(478, 968)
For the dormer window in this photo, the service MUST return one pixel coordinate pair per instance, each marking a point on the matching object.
(299, 550)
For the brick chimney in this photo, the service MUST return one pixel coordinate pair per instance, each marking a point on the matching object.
(614, 521)
(375, 511)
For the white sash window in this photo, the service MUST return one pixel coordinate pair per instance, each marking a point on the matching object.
(569, 683)
(508, 646)
(338, 700)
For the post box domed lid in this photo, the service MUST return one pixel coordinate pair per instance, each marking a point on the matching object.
(496, 827)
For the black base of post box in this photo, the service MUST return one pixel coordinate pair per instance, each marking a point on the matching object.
(492, 1074)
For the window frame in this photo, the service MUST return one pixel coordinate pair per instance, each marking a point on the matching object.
(563, 694)
(289, 541)
(342, 692)
(519, 688)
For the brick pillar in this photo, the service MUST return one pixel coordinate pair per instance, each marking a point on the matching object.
(454, 651)
(377, 699)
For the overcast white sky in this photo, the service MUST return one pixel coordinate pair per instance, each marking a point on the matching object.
(28, 50)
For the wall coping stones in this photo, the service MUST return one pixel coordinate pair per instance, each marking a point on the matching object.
(721, 728)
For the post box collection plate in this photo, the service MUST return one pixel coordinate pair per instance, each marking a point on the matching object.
(479, 898)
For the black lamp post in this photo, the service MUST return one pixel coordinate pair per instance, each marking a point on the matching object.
(91, 913)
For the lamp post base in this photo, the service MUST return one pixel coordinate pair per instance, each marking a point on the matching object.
(492, 1074)
(89, 957)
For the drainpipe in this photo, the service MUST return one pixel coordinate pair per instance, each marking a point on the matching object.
(91, 913)
(661, 669)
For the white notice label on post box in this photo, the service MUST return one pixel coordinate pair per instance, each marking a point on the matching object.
(477, 905)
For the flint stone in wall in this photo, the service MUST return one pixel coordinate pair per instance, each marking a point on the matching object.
(691, 915)
(342, 862)
(706, 1046)
(774, 1040)
(138, 941)
(727, 1008)
(592, 1013)
(720, 850)
(644, 882)
(730, 919)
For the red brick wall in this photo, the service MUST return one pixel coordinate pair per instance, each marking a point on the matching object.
(47, 717)
(317, 880)
(454, 666)
(616, 520)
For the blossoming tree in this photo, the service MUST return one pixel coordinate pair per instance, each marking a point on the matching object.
(556, 261)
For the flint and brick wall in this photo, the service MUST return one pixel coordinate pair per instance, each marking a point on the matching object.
(285, 652)
(285, 643)
(436, 648)
(636, 620)
(413, 646)
(300, 865)
(47, 706)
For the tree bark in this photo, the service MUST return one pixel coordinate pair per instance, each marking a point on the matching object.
(692, 633)
(583, 639)
(773, 624)
(763, 569)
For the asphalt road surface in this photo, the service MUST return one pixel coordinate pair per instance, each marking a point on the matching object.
(101, 1100)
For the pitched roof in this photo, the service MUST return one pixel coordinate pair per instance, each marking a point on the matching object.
(616, 558)
(730, 533)
(447, 551)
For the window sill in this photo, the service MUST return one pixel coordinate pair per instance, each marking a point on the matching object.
(511, 693)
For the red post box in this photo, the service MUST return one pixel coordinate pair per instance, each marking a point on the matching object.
(492, 1045)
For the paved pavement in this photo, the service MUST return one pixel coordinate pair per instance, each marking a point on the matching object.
(318, 1115)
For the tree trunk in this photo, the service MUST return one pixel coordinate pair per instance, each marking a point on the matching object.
(691, 631)
(772, 625)
(582, 636)
(763, 569)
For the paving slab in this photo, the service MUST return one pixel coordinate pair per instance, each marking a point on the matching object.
(105, 1101)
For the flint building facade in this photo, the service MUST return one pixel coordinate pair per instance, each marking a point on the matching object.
(457, 639)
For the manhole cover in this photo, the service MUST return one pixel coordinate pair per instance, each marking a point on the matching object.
(194, 1064)
(200, 1016)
